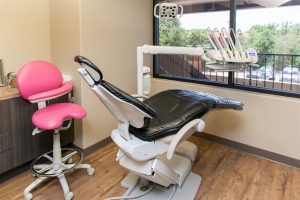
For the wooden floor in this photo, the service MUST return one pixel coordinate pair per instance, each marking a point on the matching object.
(227, 174)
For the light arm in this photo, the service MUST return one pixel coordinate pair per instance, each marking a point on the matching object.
(154, 50)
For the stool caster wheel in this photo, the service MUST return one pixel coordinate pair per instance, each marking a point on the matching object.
(69, 196)
(28, 196)
(70, 161)
(91, 171)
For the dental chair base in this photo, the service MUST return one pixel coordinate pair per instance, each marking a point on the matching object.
(140, 185)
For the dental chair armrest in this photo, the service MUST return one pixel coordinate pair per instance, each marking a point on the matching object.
(186, 131)
(52, 94)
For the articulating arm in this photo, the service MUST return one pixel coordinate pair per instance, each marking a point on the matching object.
(154, 50)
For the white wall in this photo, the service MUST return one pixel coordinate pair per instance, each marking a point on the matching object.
(65, 44)
(268, 122)
(24, 32)
(107, 32)
(111, 30)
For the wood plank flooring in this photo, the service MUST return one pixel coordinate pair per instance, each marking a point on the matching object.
(228, 174)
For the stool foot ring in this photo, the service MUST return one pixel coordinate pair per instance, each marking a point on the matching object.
(66, 164)
(46, 166)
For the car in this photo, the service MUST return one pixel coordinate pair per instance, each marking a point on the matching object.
(290, 74)
(264, 72)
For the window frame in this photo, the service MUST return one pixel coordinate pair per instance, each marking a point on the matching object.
(231, 78)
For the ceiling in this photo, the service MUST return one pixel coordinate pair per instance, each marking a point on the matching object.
(189, 2)
(265, 3)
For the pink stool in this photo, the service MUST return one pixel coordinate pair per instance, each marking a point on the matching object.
(39, 82)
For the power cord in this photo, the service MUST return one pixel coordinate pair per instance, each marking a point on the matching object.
(133, 196)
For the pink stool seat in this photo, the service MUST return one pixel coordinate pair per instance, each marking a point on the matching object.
(53, 116)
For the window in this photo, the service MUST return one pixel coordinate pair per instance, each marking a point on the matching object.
(273, 31)
(276, 36)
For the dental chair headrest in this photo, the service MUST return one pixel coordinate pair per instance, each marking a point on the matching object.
(90, 67)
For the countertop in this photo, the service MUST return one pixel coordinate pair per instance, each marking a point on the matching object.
(8, 93)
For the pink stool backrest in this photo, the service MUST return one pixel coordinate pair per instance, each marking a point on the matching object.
(38, 76)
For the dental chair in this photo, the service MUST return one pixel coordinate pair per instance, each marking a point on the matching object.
(151, 135)
(39, 82)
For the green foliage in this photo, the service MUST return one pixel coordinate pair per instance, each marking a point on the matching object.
(270, 38)
(196, 37)
(171, 33)
(262, 38)
(288, 39)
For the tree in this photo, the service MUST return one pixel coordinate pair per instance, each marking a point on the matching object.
(171, 33)
(262, 38)
(288, 39)
(196, 37)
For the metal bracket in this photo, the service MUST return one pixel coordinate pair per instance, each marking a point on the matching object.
(37, 131)
(63, 128)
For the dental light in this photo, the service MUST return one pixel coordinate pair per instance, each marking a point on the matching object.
(168, 10)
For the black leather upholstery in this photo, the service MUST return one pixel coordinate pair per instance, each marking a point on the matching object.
(129, 99)
(175, 108)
